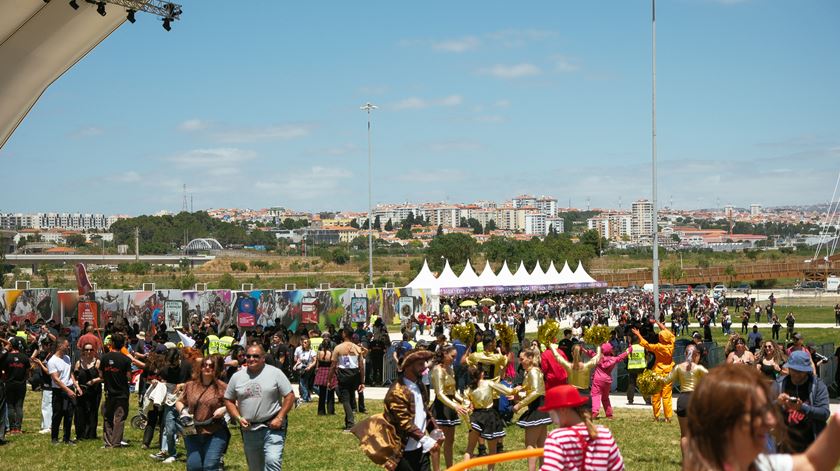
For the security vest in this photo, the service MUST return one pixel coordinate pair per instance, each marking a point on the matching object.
(212, 344)
(225, 343)
(636, 359)
(21, 334)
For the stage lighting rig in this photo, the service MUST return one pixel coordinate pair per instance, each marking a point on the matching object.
(74, 4)
(169, 12)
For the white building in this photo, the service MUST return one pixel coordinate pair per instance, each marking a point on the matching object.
(755, 210)
(641, 223)
(546, 205)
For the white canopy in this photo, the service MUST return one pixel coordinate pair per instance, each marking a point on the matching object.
(487, 277)
(447, 278)
(580, 275)
(468, 276)
(522, 277)
(505, 277)
(538, 275)
(39, 42)
(425, 279)
(566, 275)
(551, 274)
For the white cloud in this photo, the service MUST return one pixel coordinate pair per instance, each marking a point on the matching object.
(502, 103)
(191, 125)
(432, 176)
(87, 131)
(126, 177)
(283, 132)
(565, 64)
(313, 183)
(457, 45)
(212, 159)
(512, 71)
(451, 145)
(335, 151)
(416, 103)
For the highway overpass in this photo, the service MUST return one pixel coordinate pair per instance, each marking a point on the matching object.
(34, 260)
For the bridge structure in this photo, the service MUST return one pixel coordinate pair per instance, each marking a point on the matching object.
(816, 270)
(34, 260)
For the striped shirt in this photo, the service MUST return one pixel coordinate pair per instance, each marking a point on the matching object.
(571, 449)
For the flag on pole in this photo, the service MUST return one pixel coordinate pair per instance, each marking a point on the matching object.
(185, 339)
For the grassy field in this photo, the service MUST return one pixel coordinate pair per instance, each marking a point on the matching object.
(315, 443)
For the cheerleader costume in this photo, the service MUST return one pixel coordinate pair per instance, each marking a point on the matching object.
(534, 388)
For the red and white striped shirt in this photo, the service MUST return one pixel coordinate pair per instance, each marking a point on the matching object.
(571, 449)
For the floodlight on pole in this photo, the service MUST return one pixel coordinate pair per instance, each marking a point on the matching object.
(368, 107)
(655, 215)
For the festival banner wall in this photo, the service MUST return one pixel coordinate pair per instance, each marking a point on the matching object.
(211, 303)
(32, 304)
(146, 307)
(358, 309)
(111, 305)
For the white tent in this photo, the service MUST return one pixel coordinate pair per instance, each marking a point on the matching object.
(521, 277)
(447, 278)
(580, 275)
(425, 279)
(487, 277)
(468, 277)
(551, 275)
(505, 277)
(538, 275)
(566, 275)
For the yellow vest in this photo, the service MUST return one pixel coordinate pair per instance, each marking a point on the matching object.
(315, 342)
(636, 359)
(21, 334)
(225, 343)
(212, 344)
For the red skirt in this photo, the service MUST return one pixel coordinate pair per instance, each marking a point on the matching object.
(321, 375)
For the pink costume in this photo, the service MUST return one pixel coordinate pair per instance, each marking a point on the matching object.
(602, 380)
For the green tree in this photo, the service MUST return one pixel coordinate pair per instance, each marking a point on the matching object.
(75, 240)
(594, 240)
(227, 281)
(404, 233)
(673, 272)
(354, 224)
(439, 230)
(475, 226)
(389, 226)
(455, 247)
(730, 273)
(377, 225)
(490, 226)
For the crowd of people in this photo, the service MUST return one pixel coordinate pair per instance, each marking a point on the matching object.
(196, 388)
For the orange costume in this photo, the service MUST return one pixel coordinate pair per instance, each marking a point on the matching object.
(663, 364)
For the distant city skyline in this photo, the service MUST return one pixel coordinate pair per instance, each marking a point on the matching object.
(476, 101)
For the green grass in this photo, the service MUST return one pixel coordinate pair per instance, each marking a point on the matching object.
(315, 443)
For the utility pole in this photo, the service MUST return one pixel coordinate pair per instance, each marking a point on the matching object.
(367, 107)
(653, 167)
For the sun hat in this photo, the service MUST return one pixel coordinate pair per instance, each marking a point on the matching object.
(799, 361)
(797, 336)
(169, 345)
(141, 335)
(562, 396)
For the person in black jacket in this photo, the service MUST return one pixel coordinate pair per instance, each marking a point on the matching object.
(803, 398)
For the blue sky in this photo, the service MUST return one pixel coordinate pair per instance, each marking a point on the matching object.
(256, 104)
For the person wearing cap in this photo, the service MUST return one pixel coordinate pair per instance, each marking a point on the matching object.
(798, 343)
(577, 443)
(803, 398)
(663, 353)
(397, 439)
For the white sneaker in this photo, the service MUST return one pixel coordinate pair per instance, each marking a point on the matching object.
(169, 460)
(44, 431)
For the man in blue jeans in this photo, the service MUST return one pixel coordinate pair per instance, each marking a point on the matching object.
(259, 398)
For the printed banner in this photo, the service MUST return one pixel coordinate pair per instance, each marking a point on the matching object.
(88, 313)
(214, 305)
(358, 309)
(174, 311)
(31, 304)
(406, 308)
(111, 305)
(245, 307)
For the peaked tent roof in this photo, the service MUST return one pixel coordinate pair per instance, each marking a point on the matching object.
(487, 277)
(538, 275)
(551, 274)
(425, 279)
(447, 278)
(581, 276)
(566, 275)
(468, 276)
(522, 277)
(505, 277)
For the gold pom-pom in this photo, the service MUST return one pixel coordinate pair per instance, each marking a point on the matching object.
(463, 332)
(596, 335)
(505, 333)
(649, 383)
(548, 332)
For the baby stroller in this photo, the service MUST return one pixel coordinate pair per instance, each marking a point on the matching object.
(154, 397)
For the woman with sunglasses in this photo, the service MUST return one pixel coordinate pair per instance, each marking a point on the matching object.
(730, 417)
(740, 356)
(769, 360)
(203, 404)
(87, 405)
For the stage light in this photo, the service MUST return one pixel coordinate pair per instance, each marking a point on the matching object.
(167, 24)
(131, 17)
(100, 8)
(74, 4)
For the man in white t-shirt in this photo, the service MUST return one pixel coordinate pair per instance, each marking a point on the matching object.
(348, 365)
(65, 389)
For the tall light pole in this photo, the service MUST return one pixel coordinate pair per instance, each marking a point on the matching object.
(368, 107)
(653, 167)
